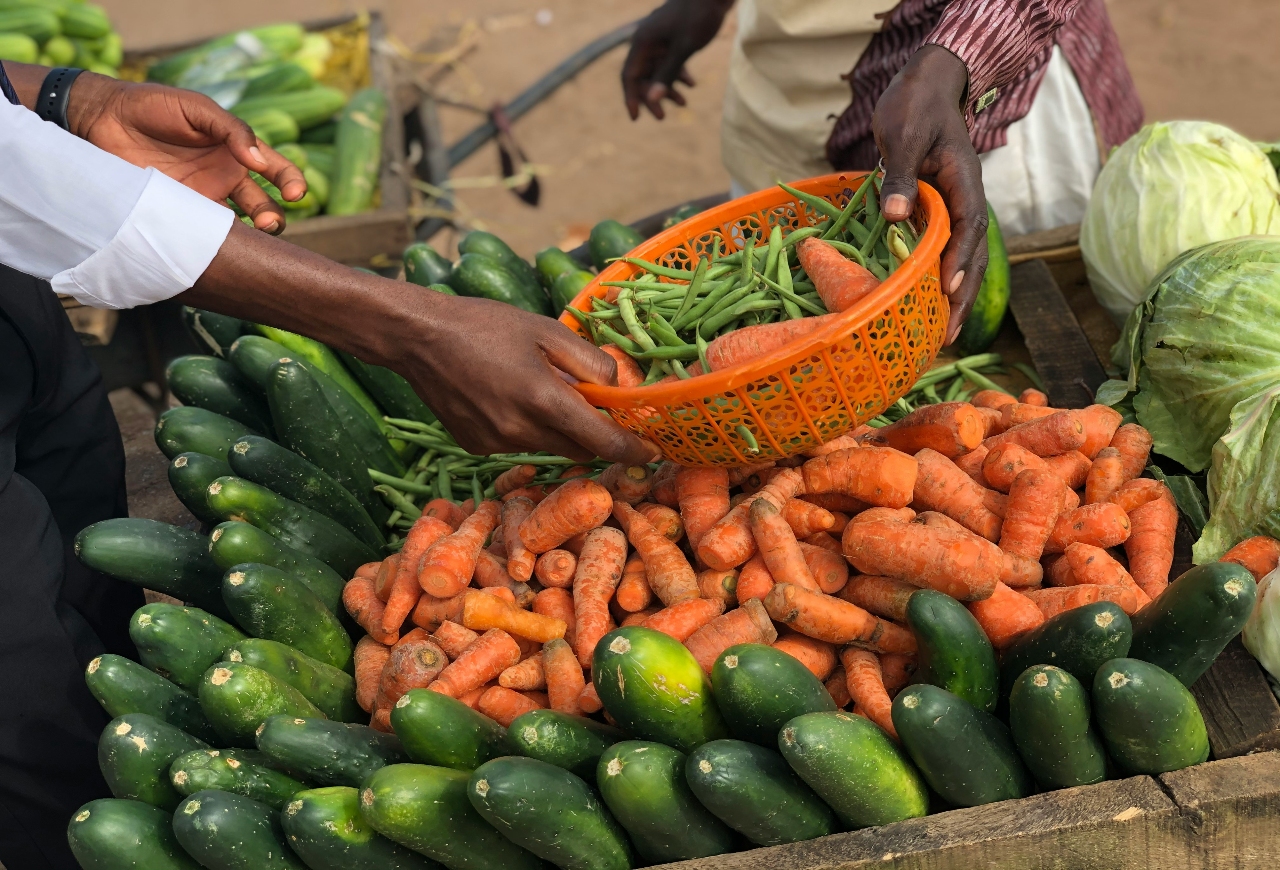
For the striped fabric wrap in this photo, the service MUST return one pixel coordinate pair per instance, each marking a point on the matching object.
(6, 87)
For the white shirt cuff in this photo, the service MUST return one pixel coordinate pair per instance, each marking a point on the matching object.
(163, 247)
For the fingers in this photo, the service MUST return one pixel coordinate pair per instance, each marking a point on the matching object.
(597, 433)
(254, 201)
(905, 149)
(279, 171)
(577, 358)
(965, 294)
(634, 80)
(964, 260)
(653, 99)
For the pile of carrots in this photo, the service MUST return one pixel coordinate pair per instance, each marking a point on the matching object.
(1016, 509)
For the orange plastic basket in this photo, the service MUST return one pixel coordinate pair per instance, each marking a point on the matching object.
(810, 391)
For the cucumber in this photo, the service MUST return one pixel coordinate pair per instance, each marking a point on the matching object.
(20, 48)
(424, 265)
(966, 755)
(122, 686)
(392, 391)
(610, 240)
(442, 288)
(983, 325)
(321, 135)
(294, 525)
(752, 790)
(85, 21)
(566, 825)
(214, 332)
(253, 356)
(225, 831)
(954, 652)
(1049, 719)
(643, 786)
(268, 603)
(216, 385)
(655, 689)
(489, 245)
(134, 754)
(567, 288)
(426, 809)
(278, 79)
(759, 689)
(1192, 621)
(1148, 719)
(308, 107)
(1077, 641)
(180, 643)
(328, 753)
(266, 463)
(855, 767)
(324, 827)
(436, 729)
(359, 152)
(323, 358)
(111, 834)
(551, 263)
(234, 543)
(483, 277)
(238, 698)
(154, 555)
(365, 434)
(331, 690)
(574, 743)
(190, 475)
(277, 129)
(228, 770)
(195, 430)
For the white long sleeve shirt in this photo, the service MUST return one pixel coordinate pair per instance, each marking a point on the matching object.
(99, 229)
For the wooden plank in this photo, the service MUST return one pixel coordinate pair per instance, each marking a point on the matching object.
(1058, 237)
(1058, 347)
(1240, 710)
(353, 239)
(1229, 810)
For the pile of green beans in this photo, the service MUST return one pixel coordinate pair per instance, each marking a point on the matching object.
(954, 382)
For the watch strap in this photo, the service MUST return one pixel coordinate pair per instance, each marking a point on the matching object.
(51, 104)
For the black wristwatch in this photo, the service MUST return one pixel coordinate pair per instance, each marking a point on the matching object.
(51, 104)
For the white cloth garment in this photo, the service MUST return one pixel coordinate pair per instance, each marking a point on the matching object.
(101, 230)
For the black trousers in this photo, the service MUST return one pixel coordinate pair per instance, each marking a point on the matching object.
(61, 468)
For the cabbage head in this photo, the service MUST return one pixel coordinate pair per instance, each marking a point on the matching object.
(1261, 635)
(1170, 188)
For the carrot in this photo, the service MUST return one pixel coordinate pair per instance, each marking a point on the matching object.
(939, 520)
(816, 655)
(899, 671)
(1061, 432)
(826, 541)
(883, 515)
(1006, 461)
(996, 502)
(453, 638)
(1035, 500)
(1103, 525)
(520, 559)
(1135, 493)
(482, 612)
(431, 611)
(555, 568)
(835, 501)
(1134, 444)
(368, 569)
(472, 698)
(950, 428)
(828, 567)
(703, 496)
(535, 494)
(524, 675)
(361, 601)
(483, 661)
(1018, 413)
(633, 591)
(729, 542)
(1105, 477)
(444, 510)
(881, 596)
(835, 620)
(964, 566)
(514, 478)
(414, 663)
(664, 484)
(381, 720)
(594, 581)
(557, 603)
(629, 483)
(639, 616)
(505, 706)
(778, 546)
(575, 544)
(1100, 424)
(837, 687)
(877, 475)
(738, 474)
(806, 519)
(991, 399)
(1094, 566)
(865, 681)
(1021, 573)
(666, 520)
(1061, 599)
(370, 657)
(629, 372)
(1259, 555)
(1150, 543)
(971, 463)
(722, 585)
(683, 619)
(565, 681)
(671, 577)
(942, 487)
(753, 342)
(589, 701)
(840, 442)
(1005, 616)
(491, 573)
(754, 580)
(578, 506)
(840, 282)
(405, 591)
(749, 623)
(1032, 396)
(386, 576)
(837, 528)
(448, 565)
(1072, 467)
(992, 422)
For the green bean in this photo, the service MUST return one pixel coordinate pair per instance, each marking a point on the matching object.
(679, 369)
(663, 331)
(391, 520)
(775, 246)
(797, 236)
(859, 232)
(1032, 375)
(535, 459)
(425, 461)
(746, 306)
(615, 337)
(702, 351)
(684, 352)
(602, 304)
(402, 485)
(803, 288)
(629, 319)
(789, 303)
(716, 303)
(477, 491)
(661, 271)
(444, 482)
(954, 390)
(713, 298)
(398, 501)
(897, 245)
(753, 446)
(413, 425)
(794, 300)
(931, 394)
(873, 236)
(747, 274)
(982, 381)
(600, 316)
(850, 207)
(816, 203)
(950, 370)
(657, 372)
(694, 288)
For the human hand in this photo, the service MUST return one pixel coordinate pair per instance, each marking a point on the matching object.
(920, 131)
(665, 39)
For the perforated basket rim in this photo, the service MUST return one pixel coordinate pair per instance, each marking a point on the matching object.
(904, 279)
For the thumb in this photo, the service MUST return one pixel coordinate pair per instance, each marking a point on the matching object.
(904, 154)
(578, 358)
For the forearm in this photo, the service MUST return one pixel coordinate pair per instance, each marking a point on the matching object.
(90, 93)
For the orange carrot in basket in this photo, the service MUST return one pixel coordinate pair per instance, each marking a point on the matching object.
(483, 661)
(1072, 467)
(505, 706)
(414, 663)
(722, 585)
(1150, 544)
(971, 464)
(1105, 477)
(749, 623)
(1018, 413)
(1035, 499)
(778, 546)
(816, 655)
(950, 428)
(520, 559)
(1005, 616)
(481, 612)
(865, 682)
(840, 282)
(1100, 425)
(1032, 396)
(829, 568)
(557, 603)
(881, 596)
(835, 620)
(385, 578)
(666, 520)
(837, 687)
(597, 576)
(370, 657)
(806, 519)
(1094, 566)
(589, 701)
(1061, 432)
(514, 478)
(444, 510)
(578, 506)
(753, 342)
(942, 487)
(448, 564)
(1103, 525)
(729, 542)
(1005, 462)
(565, 681)
(991, 399)
(877, 475)
(964, 566)
(633, 591)
(361, 601)
(1134, 444)
(527, 675)
(629, 372)
(899, 671)
(683, 619)
(671, 577)
(754, 580)
(629, 483)
(1259, 555)
(453, 638)
(555, 568)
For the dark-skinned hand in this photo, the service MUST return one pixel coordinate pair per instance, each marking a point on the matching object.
(664, 41)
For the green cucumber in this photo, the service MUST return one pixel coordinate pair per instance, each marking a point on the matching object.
(280, 78)
(436, 729)
(330, 689)
(987, 314)
(567, 288)
(1077, 641)
(216, 385)
(122, 686)
(643, 786)
(966, 755)
(1148, 719)
(253, 356)
(194, 430)
(293, 524)
(426, 809)
(855, 767)
(279, 469)
(268, 603)
(759, 689)
(228, 770)
(111, 834)
(424, 265)
(655, 689)
(190, 475)
(1049, 719)
(752, 790)
(483, 277)
(321, 137)
(154, 555)
(134, 754)
(359, 152)
(328, 753)
(238, 698)
(367, 435)
(574, 743)
(1192, 621)
(551, 263)
(566, 824)
(180, 643)
(234, 543)
(225, 831)
(214, 332)
(489, 245)
(326, 830)
(392, 391)
(954, 652)
(610, 240)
